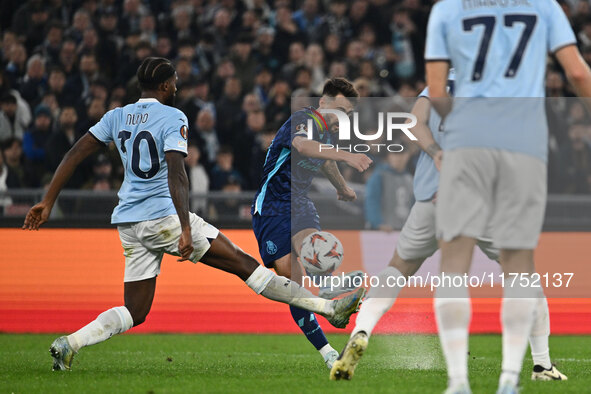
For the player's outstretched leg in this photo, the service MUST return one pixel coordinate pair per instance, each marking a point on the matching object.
(290, 268)
(111, 322)
(538, 340)
(517, 316)
(138, 301)
(224, 255)
(543, 368)
(379, 301)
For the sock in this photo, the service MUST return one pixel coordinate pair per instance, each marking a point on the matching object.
(517, 316)
(111, 322)
(538, 340)
(325, 350)
(453, 312)
(379, 301)
(279, 288)
(309, 326)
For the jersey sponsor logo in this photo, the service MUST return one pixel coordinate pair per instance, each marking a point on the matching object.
(271, 247)
(184, 132)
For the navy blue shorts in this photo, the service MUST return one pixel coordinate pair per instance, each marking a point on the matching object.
(273, 233)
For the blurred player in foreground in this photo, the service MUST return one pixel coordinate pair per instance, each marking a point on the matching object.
(283, 214)
(417, 242)
(153, 215)
(493, 172)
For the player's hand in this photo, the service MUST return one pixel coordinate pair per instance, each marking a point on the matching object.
(185, 245)
(437, 158)
(36, 216)
(359, 161)
(347, 194)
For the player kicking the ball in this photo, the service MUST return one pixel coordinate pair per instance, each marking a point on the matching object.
(153, 215)
(417, 242)
(283, 214)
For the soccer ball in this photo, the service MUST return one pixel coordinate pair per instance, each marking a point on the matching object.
(321, 253)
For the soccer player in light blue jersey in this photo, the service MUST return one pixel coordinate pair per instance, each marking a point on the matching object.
(494, 166)
(417, 242)
(153, 216)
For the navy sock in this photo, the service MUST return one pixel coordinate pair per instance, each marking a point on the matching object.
(309, 326)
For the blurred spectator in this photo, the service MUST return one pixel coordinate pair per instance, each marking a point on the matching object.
(279, 108)
(102, 173)
(224, 71)
(258, 155)
(198, 179)
(10, 125)
(297, 58)
(17, 64)
(206, 137)
(336, 21)
(68, 59)
(389, 193)
(34, 142)
(308, 19)
(246, 141)
(575, 161)
(60, 142)
(263, 82)
(244, 62)
(12, 149)
(198, 99)
(50, 47)
(314, 61)
(286, 33)
(133, 11)
(34, 27)
(228, 111)
(56, 84)
(224, 174)
(92, 114)
(8, 180)
(263, 48)
(80, 23)
(33, 84)
(220, 31)
(406, 44)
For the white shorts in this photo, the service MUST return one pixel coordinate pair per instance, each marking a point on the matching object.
(145, 243)
(417, 240)
(490, 188)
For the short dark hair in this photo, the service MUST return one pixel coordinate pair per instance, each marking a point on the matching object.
(153, 71)
(335, 86)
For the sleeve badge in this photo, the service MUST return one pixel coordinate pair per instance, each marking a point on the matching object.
(184, 132)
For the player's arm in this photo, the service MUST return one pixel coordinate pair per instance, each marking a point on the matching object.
(178, 183)
(331, 171)
(310, 148)
(425, 140)
(436, 73)
(86, 146)
(576, 69)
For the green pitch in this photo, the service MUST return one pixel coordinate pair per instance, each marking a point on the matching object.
(268, 363)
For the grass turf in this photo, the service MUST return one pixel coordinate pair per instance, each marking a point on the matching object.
(268, 363)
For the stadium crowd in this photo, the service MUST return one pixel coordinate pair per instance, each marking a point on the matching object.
(64, 63)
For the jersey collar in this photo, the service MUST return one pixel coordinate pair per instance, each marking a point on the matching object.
(148, 100)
